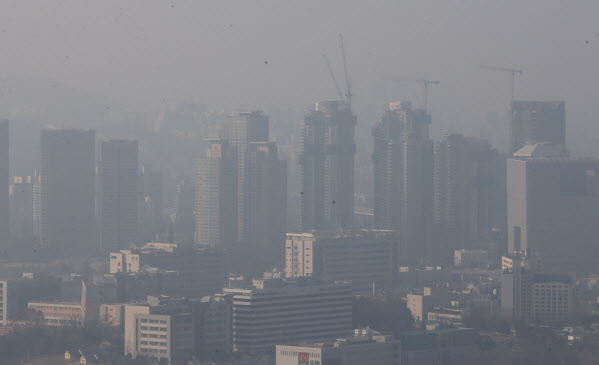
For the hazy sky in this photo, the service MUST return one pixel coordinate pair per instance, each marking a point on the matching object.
(144, 52)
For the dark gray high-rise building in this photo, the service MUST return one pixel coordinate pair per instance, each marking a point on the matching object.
(553, 207)
(266, 195)
(241, 129)
(463, 176)
(326, 157)
(150, 202)
(118, 194)
(403, 177)
(4, 182)
(216, 195)
(68, 175)
(184, 208)
(537, 121)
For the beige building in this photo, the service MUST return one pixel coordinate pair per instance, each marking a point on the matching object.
(58, 313)
(357, 350)
(420, 303)
(124, 261)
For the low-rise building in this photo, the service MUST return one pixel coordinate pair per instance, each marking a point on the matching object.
(16, 293)
(420, 303)
(112, 314)
(56, 313)
(174, 329)
(366, 258)
(445, 346)
(471, 258)
(356, 350)
(197, 271)
(532, 297)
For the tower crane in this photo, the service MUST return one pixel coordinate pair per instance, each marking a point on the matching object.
(424, 83)
(513, 73)
(326, 60)
(348, 94)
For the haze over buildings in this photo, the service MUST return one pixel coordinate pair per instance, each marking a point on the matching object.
(306, 183)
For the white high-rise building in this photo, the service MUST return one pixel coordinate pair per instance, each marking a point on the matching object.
(216, 195)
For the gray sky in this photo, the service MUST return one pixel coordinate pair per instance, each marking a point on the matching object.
(144, 52)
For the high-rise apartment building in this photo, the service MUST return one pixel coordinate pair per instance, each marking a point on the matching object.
(537, 121)
(326, 157)
(403, 176)
(184, 207)
(68, 176)
(4, 181)
(21, 193)
(241, 129)
(118, 194)
(553, 207)
(265, 196)
(150, 202)
(463, 175)
(216, 195)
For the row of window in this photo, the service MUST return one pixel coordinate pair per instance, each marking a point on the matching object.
(145, 320)
(154, 343)
(294, 353)
(150, 328)
(156, 351)
(152, 335)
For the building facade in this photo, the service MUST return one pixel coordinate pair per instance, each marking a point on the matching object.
(265, 196)
(403, 166)
(4, 181)
(553, 207)
(241, 129)
(216, 195)
(366, 258)
(58, 313)
(68, 176)
(463, 176)
(275, 311)
(21, 193)
(326, 175)
(358, 350)
(530, 297)
(118, 194)
(537, 121)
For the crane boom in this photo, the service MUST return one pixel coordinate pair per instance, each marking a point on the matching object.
(513, 73)
(326, 60)
(495, 68)
(348, 94)
(424, 83)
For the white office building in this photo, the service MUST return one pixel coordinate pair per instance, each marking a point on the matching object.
(276, 311)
